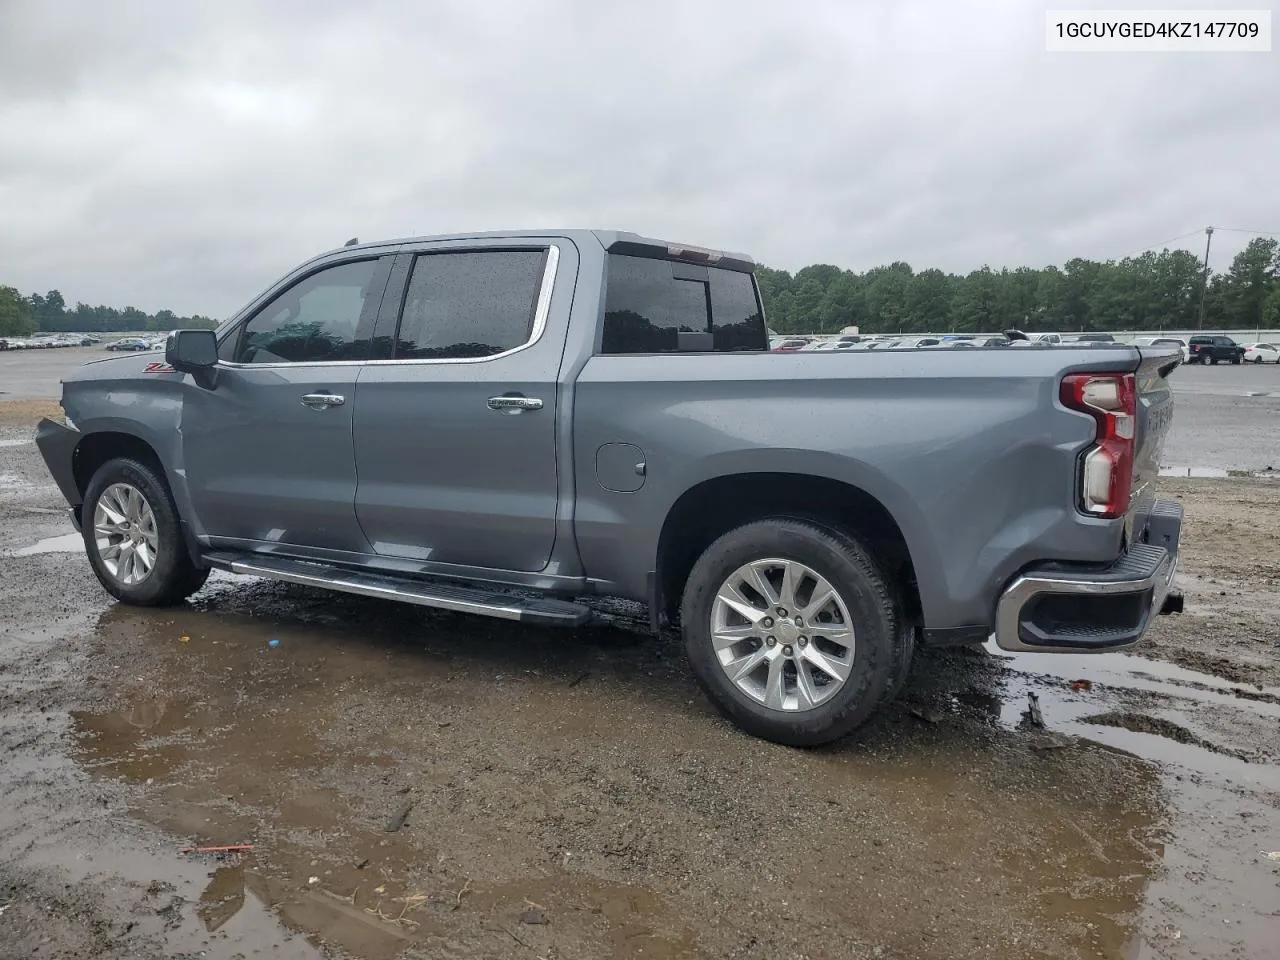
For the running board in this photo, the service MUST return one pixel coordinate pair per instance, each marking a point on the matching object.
(463, 599)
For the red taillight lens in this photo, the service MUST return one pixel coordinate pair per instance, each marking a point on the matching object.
(1106, 475)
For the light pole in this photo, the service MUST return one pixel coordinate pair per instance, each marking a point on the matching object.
(1204, 282)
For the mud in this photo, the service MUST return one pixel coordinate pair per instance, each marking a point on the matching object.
(580, 779)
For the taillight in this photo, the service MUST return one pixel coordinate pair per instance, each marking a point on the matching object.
(1106, 475)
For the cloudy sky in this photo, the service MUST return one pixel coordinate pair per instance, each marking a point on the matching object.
(184, 155)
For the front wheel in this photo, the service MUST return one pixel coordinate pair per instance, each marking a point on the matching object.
(791, 629)
(133, 536)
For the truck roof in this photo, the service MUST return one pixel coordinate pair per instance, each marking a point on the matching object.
(615, 241)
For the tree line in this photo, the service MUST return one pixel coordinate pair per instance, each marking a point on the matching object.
(22, 316)
(1154, 291)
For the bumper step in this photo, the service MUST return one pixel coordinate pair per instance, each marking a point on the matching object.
(443, 596)
(1064, 608)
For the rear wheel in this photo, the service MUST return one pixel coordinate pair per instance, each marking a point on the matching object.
(793, 630)
(133, 536)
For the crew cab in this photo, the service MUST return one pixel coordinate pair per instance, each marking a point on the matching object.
(1206, 350)
(510, 424)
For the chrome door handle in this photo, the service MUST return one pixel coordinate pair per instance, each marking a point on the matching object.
(515, 404)
(322, 401)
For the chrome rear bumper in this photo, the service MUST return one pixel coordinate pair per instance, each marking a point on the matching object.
(1062, 608)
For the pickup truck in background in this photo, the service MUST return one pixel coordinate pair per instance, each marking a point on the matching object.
(509, 424)
(1207, 350)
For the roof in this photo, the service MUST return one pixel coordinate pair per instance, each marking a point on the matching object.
(617, 241)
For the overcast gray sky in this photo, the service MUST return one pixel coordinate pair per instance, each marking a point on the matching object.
(185, 155)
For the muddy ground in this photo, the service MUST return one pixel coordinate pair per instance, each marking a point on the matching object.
(428, 785)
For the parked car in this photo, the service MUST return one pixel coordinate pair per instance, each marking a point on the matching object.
(1213, 349)
(1047, 338)
(129, 343)
(789, 344)
(599, 425)
(1261, 353)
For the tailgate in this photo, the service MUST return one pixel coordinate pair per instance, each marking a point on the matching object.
(1155, 414)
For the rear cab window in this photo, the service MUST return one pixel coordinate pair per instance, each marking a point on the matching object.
(668, 306)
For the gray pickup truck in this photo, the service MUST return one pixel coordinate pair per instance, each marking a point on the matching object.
(506, 424)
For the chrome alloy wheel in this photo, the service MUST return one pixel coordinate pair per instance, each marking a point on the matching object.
(782, 634)
(124, 530)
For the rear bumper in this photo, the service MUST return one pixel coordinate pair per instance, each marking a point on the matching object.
(57, 444)
(1063, 608)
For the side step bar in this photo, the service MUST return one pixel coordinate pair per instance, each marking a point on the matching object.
(443, 596)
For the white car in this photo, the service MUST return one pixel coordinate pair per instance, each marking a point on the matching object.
(1261, 353)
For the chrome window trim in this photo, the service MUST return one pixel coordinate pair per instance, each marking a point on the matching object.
(540, 314)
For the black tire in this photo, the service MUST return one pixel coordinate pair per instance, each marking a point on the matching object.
(904, 654)
(1258, 359)
(173, 576)
(874, 611)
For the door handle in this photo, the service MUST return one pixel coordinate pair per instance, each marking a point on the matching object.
(322, 401)
(514, 404)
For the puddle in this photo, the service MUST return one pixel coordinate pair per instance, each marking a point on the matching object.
(581, 775)
(1153, 709)
(1205, 473)
(63, 543)
(414, 780)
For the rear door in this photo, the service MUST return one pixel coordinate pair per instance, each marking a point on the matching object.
(455, 419)
(268, 453)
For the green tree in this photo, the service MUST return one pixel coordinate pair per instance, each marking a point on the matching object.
(15, 314)
(1249, 283)
(1271, 309)
(928, 303)
(973, 309)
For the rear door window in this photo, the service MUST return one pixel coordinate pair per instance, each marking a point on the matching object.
(649, 303)
(474, 303)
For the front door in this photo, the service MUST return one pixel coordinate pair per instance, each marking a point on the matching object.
(455, 433)
(268, 453)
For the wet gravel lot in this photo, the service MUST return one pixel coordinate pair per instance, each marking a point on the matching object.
(418, 784)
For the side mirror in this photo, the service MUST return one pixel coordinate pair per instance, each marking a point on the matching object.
(194, 352)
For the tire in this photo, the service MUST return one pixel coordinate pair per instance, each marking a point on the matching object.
(904, 654)
(131, 490)
(1214, 361)
(873, 660)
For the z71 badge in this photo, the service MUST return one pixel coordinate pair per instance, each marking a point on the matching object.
(159, 366)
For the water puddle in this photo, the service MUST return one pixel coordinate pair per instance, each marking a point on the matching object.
(63, 543)
(470, 788)
(1204, 473)
(1153, 709)
(1215, 473)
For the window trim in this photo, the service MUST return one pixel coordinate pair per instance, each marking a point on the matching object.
(546, 287)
